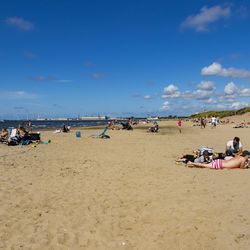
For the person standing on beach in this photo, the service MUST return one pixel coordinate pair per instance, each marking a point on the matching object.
(203, 122)
(179, 125)
(213, 122)
(29, 126)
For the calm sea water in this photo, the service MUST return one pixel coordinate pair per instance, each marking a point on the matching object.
(38, 125)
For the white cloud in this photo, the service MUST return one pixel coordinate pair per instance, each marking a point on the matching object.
(202, 94)
(211, 101)
(213, 69)
(206, 85)
(165, 106)
(18, 95)
(228, 99)
(217, 69)
(238, 105)
(147, 97)
(20, 23)
(204, 91)
(171, 91)
(245, 92)
(231, 89)
(206, 16)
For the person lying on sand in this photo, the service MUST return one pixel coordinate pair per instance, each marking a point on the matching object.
(236, 162)
(204, 158)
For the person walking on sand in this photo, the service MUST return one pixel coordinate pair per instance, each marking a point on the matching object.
(179, 125)
(241, 161)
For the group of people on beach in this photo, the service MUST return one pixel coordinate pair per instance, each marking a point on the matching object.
(20, 135)
(234, 157)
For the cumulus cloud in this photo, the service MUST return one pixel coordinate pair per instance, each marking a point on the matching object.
(18, 95)
(231, 89)
(205, 96)
(20, 23)
(206, 16)
(245, 92)
(202, 94)
(217, 69)
(171, 91)
(204, 91)
(206, 85)
(211, 101)
(238, 105)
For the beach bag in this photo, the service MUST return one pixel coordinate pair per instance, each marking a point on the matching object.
(35, 136)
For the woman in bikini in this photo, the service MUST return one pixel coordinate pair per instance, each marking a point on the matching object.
(236, 162)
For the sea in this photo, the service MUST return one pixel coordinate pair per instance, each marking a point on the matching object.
(51, 124)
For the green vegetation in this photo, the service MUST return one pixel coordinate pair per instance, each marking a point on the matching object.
(221, 114)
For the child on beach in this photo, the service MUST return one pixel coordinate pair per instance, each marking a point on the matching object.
(179, 124)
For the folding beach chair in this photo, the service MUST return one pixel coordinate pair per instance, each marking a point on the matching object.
(13, 133)
(102, 135)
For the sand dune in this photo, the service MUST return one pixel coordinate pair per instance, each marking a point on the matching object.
(123, 193)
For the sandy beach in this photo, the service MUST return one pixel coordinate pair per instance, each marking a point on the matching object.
(126, 192)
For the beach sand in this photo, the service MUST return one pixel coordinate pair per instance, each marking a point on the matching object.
(123, 193)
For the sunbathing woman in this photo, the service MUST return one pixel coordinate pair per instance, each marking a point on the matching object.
(236, 162)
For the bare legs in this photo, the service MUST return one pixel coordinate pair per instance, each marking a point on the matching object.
(199, 165)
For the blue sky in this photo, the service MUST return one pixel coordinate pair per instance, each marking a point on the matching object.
(121, 58)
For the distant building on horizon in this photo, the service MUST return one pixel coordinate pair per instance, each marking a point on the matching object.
(95, 118)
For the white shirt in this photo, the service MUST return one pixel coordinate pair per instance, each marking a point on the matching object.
(231, 145)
